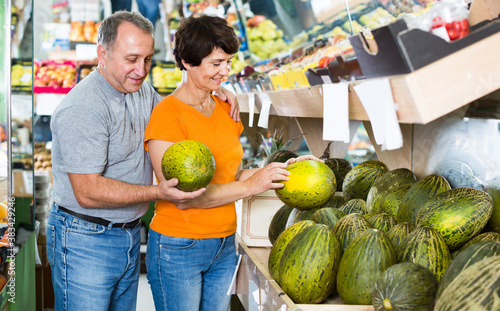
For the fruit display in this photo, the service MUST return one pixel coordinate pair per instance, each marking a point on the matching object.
(55, 77)
(165, 76)
(390, 264)
(84, 31)
(21, 75)
(42, 157)
(191, 162)
(265, 39)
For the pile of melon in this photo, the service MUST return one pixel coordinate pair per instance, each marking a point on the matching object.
(388, 239)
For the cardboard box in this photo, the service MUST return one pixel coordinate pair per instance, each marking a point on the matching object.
(481, 10)
(256, 216)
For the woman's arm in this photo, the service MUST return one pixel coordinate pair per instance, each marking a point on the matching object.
(249, 182)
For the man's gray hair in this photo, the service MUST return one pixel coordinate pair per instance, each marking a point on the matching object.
(108, 30)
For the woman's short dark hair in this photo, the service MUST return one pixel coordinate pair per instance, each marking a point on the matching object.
(108, 30)
(197, 37)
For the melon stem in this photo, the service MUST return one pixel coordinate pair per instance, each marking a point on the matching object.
(387, 304)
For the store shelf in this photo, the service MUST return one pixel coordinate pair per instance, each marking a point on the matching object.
(254, 270)
(421, 96)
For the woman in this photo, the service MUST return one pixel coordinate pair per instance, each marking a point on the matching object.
(191, 253)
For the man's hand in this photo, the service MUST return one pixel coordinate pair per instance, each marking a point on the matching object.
(226, 95)
(302, 158)
(169, 192)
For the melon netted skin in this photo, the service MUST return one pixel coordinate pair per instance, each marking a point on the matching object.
(191, 162)
(310, 184)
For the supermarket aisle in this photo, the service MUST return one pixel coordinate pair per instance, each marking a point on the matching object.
(144, 296)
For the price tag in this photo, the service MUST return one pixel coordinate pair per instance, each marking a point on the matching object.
(376, 97)
(264, 111)
(336, 112)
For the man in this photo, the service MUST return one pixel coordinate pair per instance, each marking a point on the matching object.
(103, 175)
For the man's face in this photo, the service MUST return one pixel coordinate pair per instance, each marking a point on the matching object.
(126, 64)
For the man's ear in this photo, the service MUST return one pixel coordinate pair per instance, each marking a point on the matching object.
(101, 54)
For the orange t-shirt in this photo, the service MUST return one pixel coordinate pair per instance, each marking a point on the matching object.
(172, 120)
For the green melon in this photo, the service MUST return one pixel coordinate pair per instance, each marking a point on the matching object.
(309, 265)
(281, 243)
(457, 214)
(417, 195)
(191, 162)
(399, 232)
(476, 288)
(310, 184)
(385, 184)
(485, 236)
(328, 216)
(467, 258)
(382, 221)
(369, 255)
(359, 180)
(426, 247)
(390, 202)
(354, 206)
(340, 168)
(278, 156)
(335, 201)
(306, 214)
(278, 222)
(348, 227)
(494, 191)
(405, 286)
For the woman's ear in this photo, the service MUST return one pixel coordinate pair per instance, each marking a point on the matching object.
(186, 65)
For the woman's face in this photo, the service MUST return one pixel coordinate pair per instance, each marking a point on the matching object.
(213, 68)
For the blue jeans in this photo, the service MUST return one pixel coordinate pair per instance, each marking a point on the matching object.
(93, 267)
(190, 274)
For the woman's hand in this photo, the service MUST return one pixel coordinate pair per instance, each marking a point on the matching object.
(302, 158)
(268, 177)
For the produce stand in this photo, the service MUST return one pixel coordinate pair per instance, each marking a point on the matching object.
(421, 96)
(253, 272)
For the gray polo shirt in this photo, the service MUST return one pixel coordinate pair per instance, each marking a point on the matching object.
(96, 129)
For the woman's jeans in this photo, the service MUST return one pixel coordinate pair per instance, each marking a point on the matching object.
(190, 274)
(93, 267)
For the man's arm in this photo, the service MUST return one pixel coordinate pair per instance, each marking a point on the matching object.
(97, 191)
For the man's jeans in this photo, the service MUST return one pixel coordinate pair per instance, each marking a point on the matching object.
(93, 267)
(190, 274)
